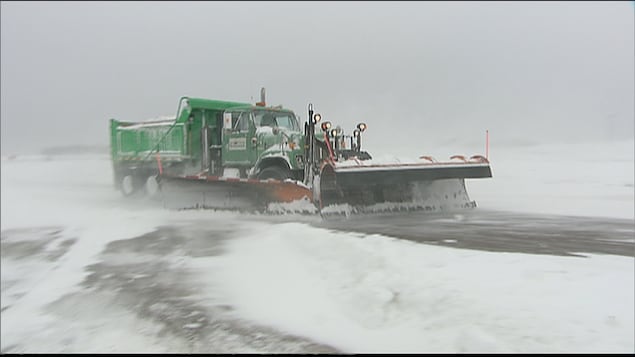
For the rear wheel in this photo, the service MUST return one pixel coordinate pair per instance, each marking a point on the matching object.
(151, 186)
(128, 185)
(274, 172)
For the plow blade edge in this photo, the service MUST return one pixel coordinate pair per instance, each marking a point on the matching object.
(374, 188)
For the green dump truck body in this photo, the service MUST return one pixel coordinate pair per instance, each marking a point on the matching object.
(133, 141)
(208, 136)
(172, 139)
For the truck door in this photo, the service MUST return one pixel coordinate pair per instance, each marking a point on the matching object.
(238, 148)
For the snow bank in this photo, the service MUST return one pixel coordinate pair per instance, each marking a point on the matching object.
(77, 196)
(374, 294)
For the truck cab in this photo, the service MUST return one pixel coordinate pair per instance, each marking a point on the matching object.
(263, 142)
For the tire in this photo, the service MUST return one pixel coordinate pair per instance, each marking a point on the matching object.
(128, 185)
(151, 186)
(274, 172)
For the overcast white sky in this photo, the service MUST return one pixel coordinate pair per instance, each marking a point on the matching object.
(418, 73)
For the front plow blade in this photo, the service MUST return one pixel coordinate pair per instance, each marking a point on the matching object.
(211, 192)
(379, 188)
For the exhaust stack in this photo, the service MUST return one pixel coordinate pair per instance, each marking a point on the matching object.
(262, 103)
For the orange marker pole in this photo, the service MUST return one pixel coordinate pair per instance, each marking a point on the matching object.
(487, 144)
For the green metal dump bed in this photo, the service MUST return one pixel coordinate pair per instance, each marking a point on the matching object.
(174, 140)
(142, 141)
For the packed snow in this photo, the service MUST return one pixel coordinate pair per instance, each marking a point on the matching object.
(375, 294)
(352, 291)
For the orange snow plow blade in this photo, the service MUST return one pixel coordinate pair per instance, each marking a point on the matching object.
(182, 192)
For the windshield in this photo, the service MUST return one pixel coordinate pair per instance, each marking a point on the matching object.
(273, 118)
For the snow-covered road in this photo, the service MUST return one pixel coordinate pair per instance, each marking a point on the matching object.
(83, 270)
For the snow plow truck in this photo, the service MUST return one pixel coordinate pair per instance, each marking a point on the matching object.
(232, 155)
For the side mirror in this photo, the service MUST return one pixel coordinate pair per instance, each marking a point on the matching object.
(227, 121)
